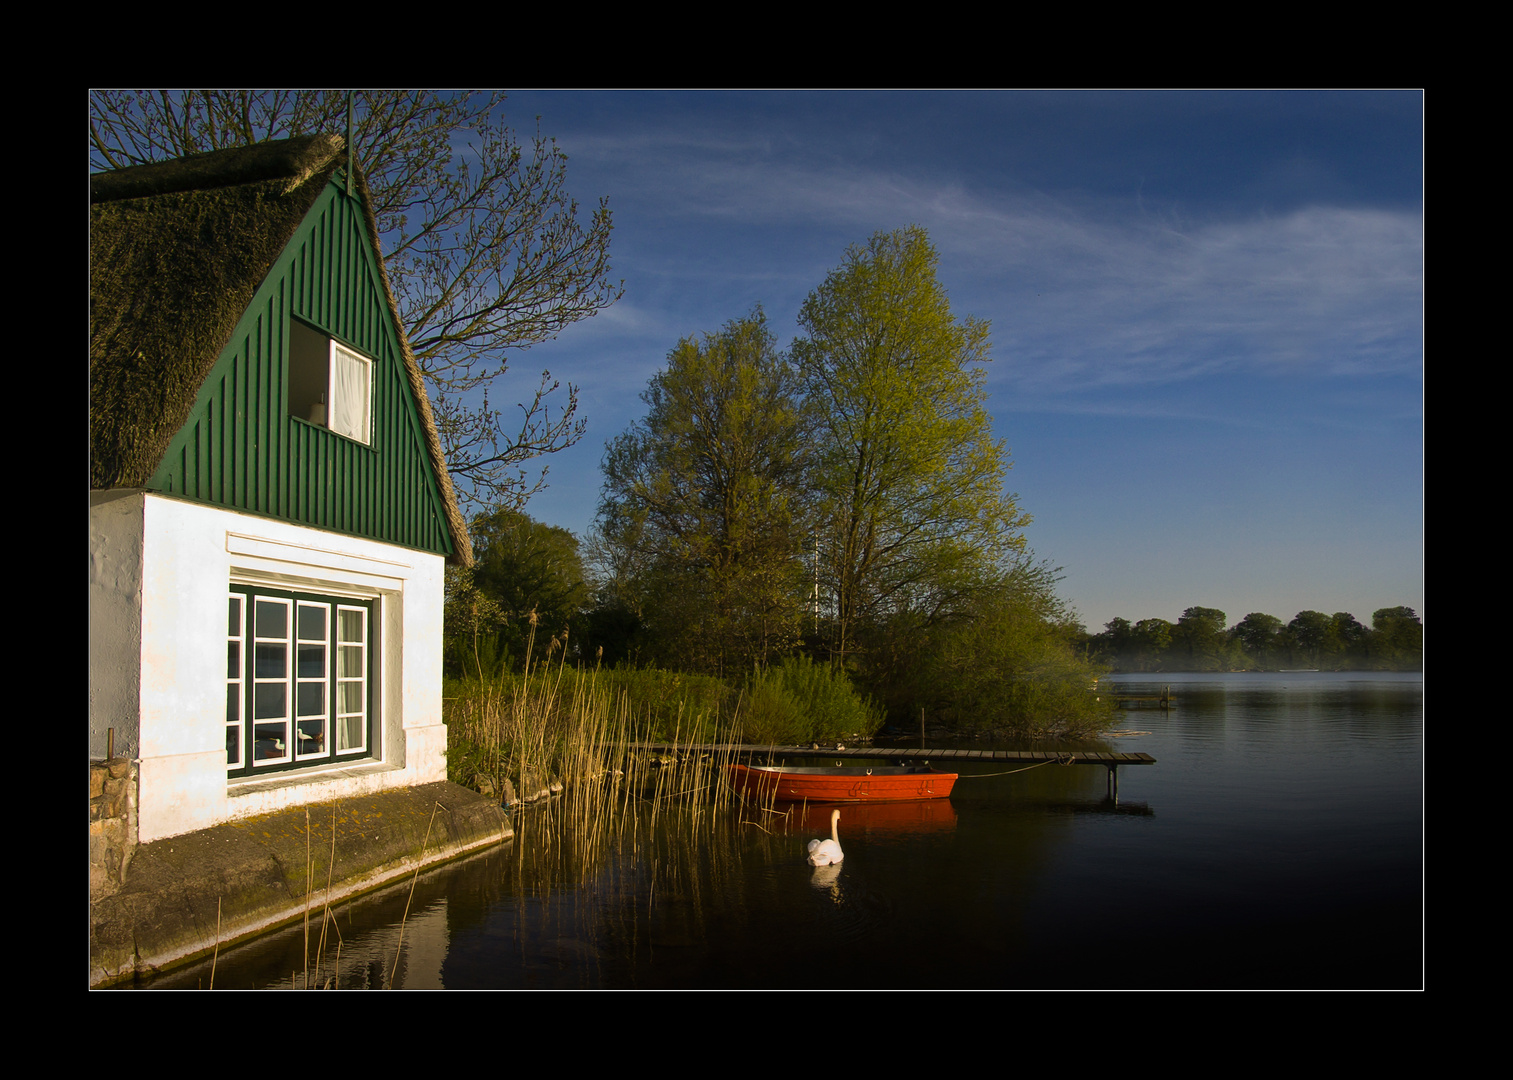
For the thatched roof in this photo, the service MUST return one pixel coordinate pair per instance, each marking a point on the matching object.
(177, 252)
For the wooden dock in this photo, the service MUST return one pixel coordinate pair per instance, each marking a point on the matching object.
(1163, 700)
(904, 755)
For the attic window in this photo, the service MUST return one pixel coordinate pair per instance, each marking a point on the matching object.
(329, 384)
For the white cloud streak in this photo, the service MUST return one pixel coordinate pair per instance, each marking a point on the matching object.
(1082, 297)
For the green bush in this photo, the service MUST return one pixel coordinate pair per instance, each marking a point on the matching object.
(799, 701)
(665, 704)
(1011, 670)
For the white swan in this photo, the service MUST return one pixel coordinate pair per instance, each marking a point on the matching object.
(827, 852)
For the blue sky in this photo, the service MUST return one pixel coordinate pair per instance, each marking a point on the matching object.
(1206, 308)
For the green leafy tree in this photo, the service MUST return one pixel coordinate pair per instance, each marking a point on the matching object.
(1117, 631)
(1397, 637)
(529, 567)
(527, 578)
(1259, 635)
(1308, 635)
(798, 701)
(915, 515)
(1348, 637)
(473, 621)
(701, 500)
(1152, 640)
(1009, 663)
(1201, 639)
(484, 247)
(1116, 643)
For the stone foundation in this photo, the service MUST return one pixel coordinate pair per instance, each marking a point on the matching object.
(112, 824)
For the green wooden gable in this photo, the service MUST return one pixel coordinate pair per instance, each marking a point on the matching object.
(245, 437)
(242, 448)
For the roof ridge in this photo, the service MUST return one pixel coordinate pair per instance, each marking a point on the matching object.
(293, 160)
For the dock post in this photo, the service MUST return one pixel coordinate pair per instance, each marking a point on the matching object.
(1113, 782)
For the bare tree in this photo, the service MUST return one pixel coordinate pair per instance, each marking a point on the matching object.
(484, 247)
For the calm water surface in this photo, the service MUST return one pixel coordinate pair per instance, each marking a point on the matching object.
(1277, 842)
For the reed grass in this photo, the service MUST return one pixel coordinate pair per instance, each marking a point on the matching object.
(217, 954)
(648, 830)
(585, 727)
(621, 802)
(554, 720)
(326, 919)
(631, 823)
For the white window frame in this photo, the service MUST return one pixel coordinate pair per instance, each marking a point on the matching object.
(330, 383)
(236, 674)
(304, 693)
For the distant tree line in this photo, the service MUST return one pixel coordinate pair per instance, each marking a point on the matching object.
(1199, 641)
(836, 507)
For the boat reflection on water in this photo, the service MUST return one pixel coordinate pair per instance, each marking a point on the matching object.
(884, 819)
(865, 829)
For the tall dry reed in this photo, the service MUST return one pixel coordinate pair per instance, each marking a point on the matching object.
(552, 721)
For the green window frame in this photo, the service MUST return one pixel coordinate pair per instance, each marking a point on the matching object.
(299, 679)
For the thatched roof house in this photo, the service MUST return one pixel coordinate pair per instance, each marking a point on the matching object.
(270, 505)
(177, 251)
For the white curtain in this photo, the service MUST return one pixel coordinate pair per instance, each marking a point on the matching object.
(351, 394)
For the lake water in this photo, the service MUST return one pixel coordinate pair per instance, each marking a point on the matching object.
(1278, 842)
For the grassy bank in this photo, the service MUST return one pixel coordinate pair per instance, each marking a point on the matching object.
(553, 720)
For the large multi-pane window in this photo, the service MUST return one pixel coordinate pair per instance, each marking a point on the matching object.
(299, 686)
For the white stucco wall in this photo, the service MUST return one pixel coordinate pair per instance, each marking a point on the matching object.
(172, 618)
(115, 620)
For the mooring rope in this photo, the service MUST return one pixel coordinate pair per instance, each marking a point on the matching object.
(1069, 760)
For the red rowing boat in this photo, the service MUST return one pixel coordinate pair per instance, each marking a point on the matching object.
(787, 783)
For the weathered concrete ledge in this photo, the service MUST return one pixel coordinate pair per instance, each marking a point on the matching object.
(263, 871)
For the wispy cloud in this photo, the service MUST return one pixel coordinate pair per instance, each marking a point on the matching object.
(1083, 297)
(1082, 294)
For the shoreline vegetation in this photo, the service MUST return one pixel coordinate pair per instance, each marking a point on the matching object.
(802, 545)
(515, 734)
(793, 545)
(1199, 642)
(556, 720)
